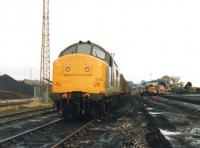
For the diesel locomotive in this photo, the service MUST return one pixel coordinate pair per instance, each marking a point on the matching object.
(86, 80)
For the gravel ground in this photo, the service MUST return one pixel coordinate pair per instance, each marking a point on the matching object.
(128, 126)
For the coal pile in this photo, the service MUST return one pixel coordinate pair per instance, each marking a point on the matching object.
(17, 88)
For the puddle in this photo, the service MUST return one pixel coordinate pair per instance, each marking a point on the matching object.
(149, 108)
(168, 138)
(168, 133)
(35, 120)
(155, 113)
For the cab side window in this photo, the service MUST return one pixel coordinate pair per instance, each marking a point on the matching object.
(117, 74)
(70, 50)
(110, 61)
(97, 52)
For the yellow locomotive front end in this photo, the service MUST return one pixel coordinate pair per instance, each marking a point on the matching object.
(151, 90)
(79, 79)
(79, 73)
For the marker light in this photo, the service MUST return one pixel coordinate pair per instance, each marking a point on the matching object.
(67, 69)
(87, 69)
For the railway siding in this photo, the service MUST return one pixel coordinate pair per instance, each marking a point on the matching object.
(5, 103)
(16, 117)
(14, 139)
(195, 99)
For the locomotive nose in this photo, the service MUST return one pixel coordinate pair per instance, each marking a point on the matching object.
(79, 73)
(78, 69)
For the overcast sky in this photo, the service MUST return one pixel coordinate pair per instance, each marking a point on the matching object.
(158, 37)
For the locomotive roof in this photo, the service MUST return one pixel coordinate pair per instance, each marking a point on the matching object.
(89, 43)
(80, 42)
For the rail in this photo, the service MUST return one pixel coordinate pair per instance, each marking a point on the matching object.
(20, 135)
(24, 115)
(63, 141)
(182, 99)
(12, 102)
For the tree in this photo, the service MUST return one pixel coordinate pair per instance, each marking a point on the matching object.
(188, 85)
(161, 82)
(167, 79)
(182, 84)
(175, 79)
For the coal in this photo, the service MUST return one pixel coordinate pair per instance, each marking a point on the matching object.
(17, 89)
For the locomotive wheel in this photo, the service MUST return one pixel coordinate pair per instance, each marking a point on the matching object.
(93, 109)
(102, 109)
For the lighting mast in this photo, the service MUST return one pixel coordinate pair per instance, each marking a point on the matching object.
(45, 48)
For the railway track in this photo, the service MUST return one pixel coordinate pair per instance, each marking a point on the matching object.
(182, 105)
(65, 142)
(5, 103)
(185, 106)
(15, 139)
(182, 99)
(53, 133)
(16, 117)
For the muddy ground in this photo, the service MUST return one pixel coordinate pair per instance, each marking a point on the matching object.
(178, 121)
(127, 126)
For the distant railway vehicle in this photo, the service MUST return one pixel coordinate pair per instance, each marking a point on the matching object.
(151, 90)
(85, 79)
(161, 89)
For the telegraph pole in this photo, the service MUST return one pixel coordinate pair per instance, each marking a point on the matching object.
(45, 53)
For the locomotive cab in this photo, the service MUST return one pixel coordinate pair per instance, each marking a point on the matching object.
(86, 48)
